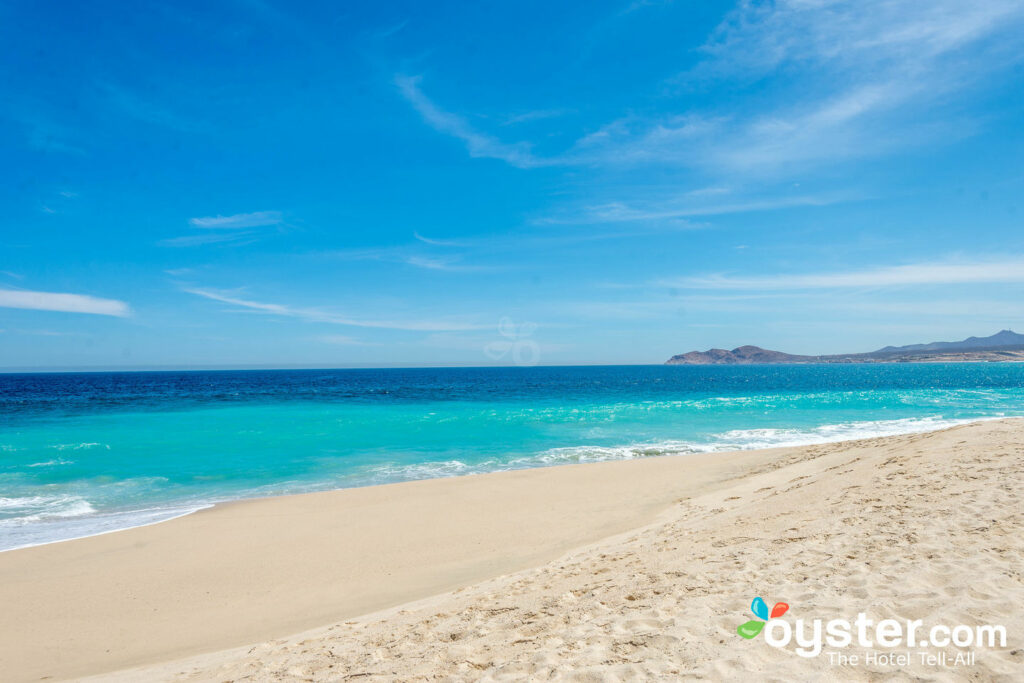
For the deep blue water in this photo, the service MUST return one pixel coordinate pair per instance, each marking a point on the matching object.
(82, 453)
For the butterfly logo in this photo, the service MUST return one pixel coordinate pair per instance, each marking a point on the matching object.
(760, 609)
(524, 351)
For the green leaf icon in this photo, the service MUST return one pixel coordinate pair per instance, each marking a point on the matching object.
(750, 629)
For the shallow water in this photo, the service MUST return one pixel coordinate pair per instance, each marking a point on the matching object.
(88, 453)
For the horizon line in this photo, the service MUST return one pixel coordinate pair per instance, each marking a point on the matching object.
(214, 367)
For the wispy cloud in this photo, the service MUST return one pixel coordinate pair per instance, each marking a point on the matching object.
(235, 230)
(852, 81)
(478, 144)
(68, 303)
(758, 38)
(255, 219)
(686, 206)
(858, 79)
(581, 232)
(439, 263)
(439, 242)
(233, 238)
(318, 315)
(413, 256)
(985, 272)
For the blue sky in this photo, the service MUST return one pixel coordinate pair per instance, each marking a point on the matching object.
(333, 184)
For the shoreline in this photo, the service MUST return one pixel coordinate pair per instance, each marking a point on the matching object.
(417, 534)
(249, 571)
(114, 531)
(213, 503)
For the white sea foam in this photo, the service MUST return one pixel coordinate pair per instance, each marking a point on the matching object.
(36, 512)
(733, 440)
(31, 508)
(79, 521)
(430, 470)
(52, 463)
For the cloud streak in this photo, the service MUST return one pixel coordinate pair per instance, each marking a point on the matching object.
(479, 145)
(686, 207)
(235, 230)
(66, 303)
(318, 315)
(989, 272)
(239, 220)
(411, 256)
(226, 238)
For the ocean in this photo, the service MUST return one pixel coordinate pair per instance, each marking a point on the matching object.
(88, 453)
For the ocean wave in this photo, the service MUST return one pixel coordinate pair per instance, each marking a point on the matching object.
(750, 439)
(431, 470)
(26, 509)
(732, 440)
(25, 532)
(51, 463)
(78, 446)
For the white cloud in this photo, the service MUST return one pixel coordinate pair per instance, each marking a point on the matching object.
(238, 220)
(438, 242)
(411, 256)
(893, 276)
(850, 81)
(866, 77)
(448, 264)
(318, 315)
(68, 303)
(686, 206)
(758, 38)
(228, 238)
(235, 230)
(478, 144)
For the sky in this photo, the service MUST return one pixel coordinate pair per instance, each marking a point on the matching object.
(329, 184)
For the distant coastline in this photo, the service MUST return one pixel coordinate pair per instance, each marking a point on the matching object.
(1004, 346)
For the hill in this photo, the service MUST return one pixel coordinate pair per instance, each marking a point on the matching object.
(1005, 345)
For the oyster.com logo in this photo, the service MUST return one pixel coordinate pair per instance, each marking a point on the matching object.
(887, 642)
(760, 609)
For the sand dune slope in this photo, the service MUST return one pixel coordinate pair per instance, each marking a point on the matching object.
(924, 526)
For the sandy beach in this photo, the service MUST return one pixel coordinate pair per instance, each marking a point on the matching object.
(638, 569)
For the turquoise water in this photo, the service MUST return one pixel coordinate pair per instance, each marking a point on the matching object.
(87, 453)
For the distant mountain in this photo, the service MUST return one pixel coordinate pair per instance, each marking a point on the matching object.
(738, 356)
(997, 340)
(1002, 346)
